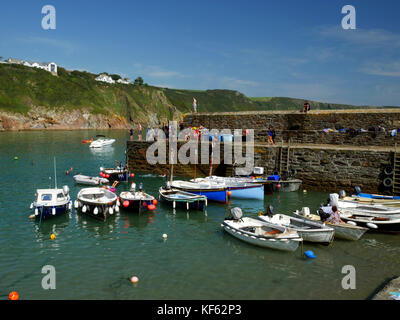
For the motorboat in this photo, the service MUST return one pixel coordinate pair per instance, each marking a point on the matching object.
(369, 199)
(93, 181)
(136, 200)
(309, 230)
(260, 233)
(118, 173)
(376, 223)
(101, 141)
(97, 202)
(213, 191)
(239, 188)
(182, 198)
(343, 230)
(51, 202)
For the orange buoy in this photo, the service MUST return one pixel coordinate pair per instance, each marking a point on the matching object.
(155, 201)
(13, 295)
(52, 236)
(125, 203)
(229, 193)
(134, 279)
(151, 207)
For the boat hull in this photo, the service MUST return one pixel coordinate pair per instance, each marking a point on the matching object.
(384, 226)
(136, 205)
(178, 198)
(103, 210)
(46, 212)
(247, 192)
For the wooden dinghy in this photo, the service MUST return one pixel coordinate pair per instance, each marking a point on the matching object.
(182, 198)
(261, 233)
(343, 231)
(309, 230)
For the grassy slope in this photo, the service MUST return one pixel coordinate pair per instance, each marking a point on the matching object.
(22, 87)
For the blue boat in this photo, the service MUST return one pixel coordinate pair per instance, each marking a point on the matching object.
(51, 202)
(239, 188)
(213, 192)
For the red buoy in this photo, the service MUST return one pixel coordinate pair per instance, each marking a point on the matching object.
(144, 204)
(132, 175)
(125, 203)
(278, 186)
(107, 175)
(155, 201)
(229, 193)
(151, 207)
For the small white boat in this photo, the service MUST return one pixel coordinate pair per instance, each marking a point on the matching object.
(51, 202)
(101, 141)
(136, 200)
(261, 233)
(92, 181)
(343, 231)
(310, 231)
(179, 197)
(97, 202)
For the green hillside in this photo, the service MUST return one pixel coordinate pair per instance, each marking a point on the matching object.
(22, 88)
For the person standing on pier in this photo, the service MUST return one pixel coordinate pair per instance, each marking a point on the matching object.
(139, 132)
(131, 134)
(271, 135)
(194, 105)
(306, 107)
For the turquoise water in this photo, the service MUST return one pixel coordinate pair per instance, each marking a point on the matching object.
(94, 259)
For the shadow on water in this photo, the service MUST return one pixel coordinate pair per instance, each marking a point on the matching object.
(44, 228)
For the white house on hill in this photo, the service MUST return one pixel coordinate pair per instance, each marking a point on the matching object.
(123, 81)
(48, 66)
(104, 78)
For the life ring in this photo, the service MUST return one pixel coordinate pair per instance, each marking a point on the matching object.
(388, 182)
(388, 170)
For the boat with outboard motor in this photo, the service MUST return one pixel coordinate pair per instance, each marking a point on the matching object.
(118, 173)
(137, 201)
(183, 198)
(343, 230)
(51, 202)
(101, 141)
(369, 199)
(310, 231)
(97, 202)
(260, 233)
(87, 180)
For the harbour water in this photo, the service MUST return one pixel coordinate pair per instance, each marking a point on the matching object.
(94, 259)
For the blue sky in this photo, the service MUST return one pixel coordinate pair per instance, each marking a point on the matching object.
(261, 48)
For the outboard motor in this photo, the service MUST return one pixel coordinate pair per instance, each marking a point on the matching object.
(65, 190)
(141, 187)
(342, 194)
(236, 213)
(334, 198)
(305, 211)
(270, 211)
(168, 185)
(133, 187)
(357, 189)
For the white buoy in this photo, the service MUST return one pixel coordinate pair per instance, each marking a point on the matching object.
(53, 211)
(36, 211)
(305, 191)
(372, 225)
(84, 209)
(164, 236)
(96, 210)
(111, 211)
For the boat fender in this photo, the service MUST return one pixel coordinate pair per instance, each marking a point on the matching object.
(309, 254)
(118, 203)
(76, 204)
(96, 210)
(31, 205)
(84, 209)
(372, 225)
(36, 211)
(70, 205)
(53, 211)
(116, 209)
(111, 211)
(352, 223)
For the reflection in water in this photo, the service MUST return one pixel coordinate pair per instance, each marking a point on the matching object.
(48, 226)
